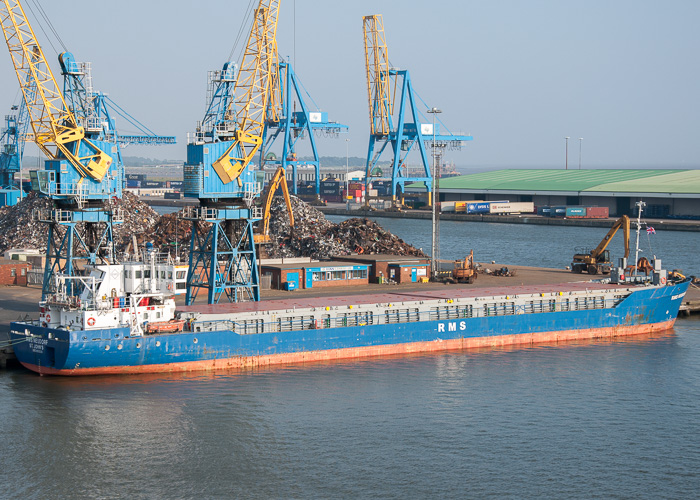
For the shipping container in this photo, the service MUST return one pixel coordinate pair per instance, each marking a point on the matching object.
(152, 184)
(176, 184)
(479, 207)
(447, 206)
(356, 186)
(332, 198)
(597, 212)
(559, 211)
(135, 177)
(576, 212)
(460, 206)
(544, 211)
(171, 196)
(132, 184)
(511, 207)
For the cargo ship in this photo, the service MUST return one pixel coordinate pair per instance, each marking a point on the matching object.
(125, 320)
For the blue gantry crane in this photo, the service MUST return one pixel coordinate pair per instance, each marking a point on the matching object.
(285, 120)
(13, 139)
(219, 170)
(397, 125)
(83, 172)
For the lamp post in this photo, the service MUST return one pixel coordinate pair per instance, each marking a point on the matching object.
(433, 253)
(347, 162)
(567, 153)
(580, 141)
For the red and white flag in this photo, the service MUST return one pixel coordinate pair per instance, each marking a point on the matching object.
(651, 230)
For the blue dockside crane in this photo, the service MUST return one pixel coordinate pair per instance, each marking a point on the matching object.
(13, 139)
(392, 125)
(283, 119)
(219, 171)
(83, 173)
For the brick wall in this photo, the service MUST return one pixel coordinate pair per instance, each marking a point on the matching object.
(14, 272)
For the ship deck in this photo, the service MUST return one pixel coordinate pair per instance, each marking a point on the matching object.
(449, 292)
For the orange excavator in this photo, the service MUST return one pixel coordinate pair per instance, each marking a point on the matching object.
(598, 259)
(262, 234)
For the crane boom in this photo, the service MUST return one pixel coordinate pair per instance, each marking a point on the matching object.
(252, 92)
(621, 223)
(56, 131)
(598, 259)
(378, 81)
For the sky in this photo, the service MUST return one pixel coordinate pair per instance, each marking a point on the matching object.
(519, 76)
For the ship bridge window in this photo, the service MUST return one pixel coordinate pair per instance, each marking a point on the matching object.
(181, 285)
(181, 275)
(137, 274)
(146, 273)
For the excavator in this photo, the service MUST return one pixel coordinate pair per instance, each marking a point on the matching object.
(598, 259)
(262, 234)
(464, 270)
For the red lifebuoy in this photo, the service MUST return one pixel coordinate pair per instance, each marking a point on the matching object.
(663, 282)
(91, 321)
(48, 318)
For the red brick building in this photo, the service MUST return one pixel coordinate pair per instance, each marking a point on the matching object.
(14, 272)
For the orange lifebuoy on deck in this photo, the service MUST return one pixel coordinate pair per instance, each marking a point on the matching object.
(91, 321)
(48, 318)
(663, 281)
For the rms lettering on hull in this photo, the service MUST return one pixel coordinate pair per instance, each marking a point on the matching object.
(452, 326)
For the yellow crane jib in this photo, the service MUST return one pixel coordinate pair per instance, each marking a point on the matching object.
(252, 91)
(225, 167)
(55, 128)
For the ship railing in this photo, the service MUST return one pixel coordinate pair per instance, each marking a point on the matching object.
(213, 325)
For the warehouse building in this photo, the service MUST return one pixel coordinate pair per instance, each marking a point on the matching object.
(667, 193)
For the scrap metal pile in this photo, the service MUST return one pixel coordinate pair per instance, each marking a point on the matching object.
(315, 236)
(18, 229)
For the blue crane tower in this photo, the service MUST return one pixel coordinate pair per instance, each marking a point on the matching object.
(12, 139)
(14, 136)
(219, 173)
(83, 173)
(283, 119)
(393, 125)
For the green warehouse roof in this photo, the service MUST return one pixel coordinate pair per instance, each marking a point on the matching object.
(590, 181)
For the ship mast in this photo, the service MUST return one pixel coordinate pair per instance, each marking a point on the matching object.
(640, 204)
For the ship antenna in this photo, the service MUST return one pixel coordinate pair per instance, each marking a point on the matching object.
(640, 204)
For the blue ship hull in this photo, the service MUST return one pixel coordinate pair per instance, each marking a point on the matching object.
(86, 352)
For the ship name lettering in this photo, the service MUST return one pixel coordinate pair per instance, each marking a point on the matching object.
(676, 297)
(462, 325)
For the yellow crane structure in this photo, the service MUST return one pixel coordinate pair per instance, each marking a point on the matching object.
(379, 92)
(252, 92)
(56, 130)
(262, 235)
(598, 260)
